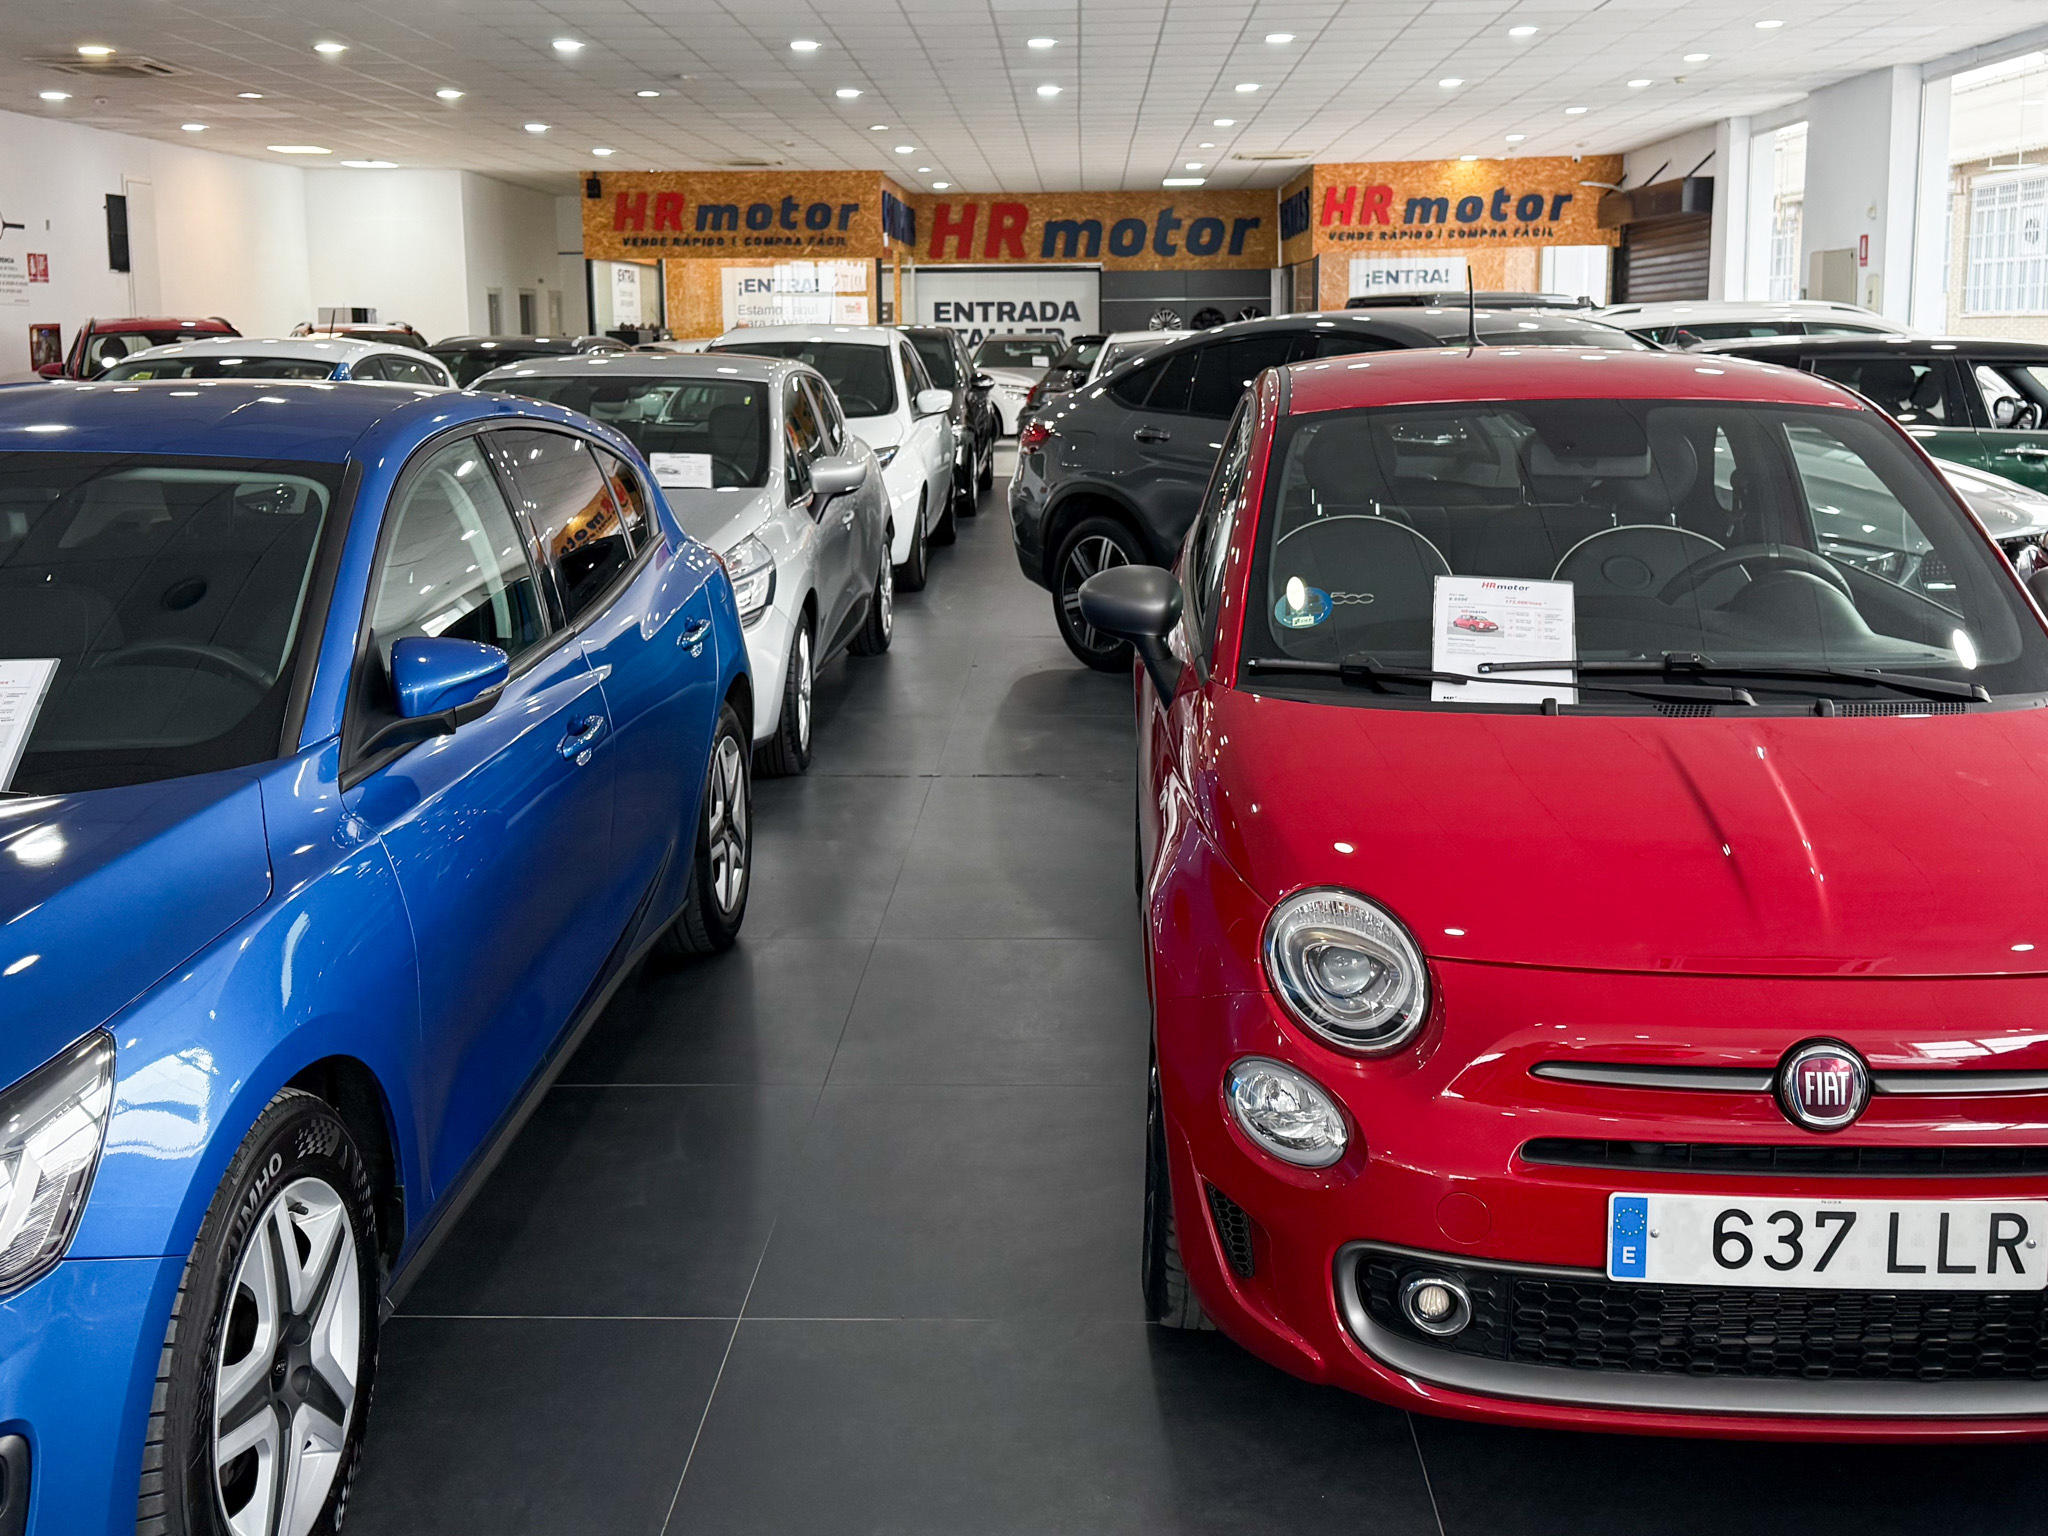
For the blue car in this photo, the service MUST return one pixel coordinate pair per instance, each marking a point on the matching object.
(354, 744)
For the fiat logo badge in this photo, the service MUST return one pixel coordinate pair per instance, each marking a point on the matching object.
(1823, 1086)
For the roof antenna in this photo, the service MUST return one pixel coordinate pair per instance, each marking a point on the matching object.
(1471, 310)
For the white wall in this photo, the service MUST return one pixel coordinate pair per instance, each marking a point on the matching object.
(576, 316)
(1862, 178)
(231, 238)
(392, 241)
(509, 243)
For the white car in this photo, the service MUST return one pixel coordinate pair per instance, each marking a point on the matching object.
(296, 357)
(1691, 321)
(1016, 363)
(891, 404)
(756, 461)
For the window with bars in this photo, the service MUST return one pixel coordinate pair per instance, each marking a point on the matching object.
(2007, 259)
(1786, 213)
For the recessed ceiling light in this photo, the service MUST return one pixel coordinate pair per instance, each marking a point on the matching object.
(847, 93)
(55, 95)
(248, 95)
(1206, 144)
(536, 127)
(1637, 85)
(1697, 58)
(193, 127)
(878, 127)
(1573, 111)
(1468, 157)
(803, 45)
(449, 93)
(371, 165)
(603, 153)
(1224, 122)
(298, 149)
(567, 45)
(1048, 90)
(940, 186)
(1516, 138)
(1277, 38)
(1247, 88)
(906, 149)
(1450, 82)
(1522, 31)
(1042, 42)
(330, 48)
(95, 50)
(924, 170)
(1765, 26)
(1183, 181)
(1192, 165)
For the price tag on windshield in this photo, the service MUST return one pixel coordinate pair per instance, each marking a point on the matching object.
(681, 471)
(1487, 619)
(22, 687)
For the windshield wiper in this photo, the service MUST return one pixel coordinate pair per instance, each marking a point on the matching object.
(1691, 664)
(1367, 672)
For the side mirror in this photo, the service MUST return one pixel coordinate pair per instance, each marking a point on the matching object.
(983, 383)
(836, 477)
(1141, 604)
(51, 371)
(440, 684)
(933, 402)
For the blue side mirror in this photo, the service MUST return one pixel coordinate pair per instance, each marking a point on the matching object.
(432, 676)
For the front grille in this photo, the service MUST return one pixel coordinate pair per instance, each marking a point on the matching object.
(1672, 1330)
(1234, 1231)
(1831, 1158)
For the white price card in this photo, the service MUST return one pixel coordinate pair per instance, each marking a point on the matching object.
(681, 471)
(22, 687)
(1482, 619)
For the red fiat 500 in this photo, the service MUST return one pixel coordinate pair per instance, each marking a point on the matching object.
(1627, 1014)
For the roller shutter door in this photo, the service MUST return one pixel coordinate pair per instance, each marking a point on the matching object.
(1664, 259)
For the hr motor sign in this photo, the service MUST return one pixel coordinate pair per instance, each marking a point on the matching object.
(1539, 201)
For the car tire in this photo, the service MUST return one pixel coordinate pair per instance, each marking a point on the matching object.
(1169, 1300)
(966, 500)
(788, 751)
(913, 572)
(722, 855)
(297, 1198)
(987, 477)
(1091, 545)
(876, 630)
(944, 529)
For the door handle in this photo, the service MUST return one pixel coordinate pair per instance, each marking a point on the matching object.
(1153, 435)
(581, 738)
(693, 636)
(2023, 452)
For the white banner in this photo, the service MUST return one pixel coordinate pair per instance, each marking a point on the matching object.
(796, 293)
(625, 293)
(1405, 274)
(980, 302)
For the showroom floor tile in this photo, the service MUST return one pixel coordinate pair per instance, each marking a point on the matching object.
(838, 1233)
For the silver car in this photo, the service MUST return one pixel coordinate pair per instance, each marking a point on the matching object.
(754, 456)
(295, 357)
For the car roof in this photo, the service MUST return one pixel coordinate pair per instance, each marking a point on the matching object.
(1461, 374)
(485, 343)
(212, 323)
(1676, 311)
(861, 335)
(333, 349)
(1162, 337)
(654, 365)
(309, 420)
(1903, 346)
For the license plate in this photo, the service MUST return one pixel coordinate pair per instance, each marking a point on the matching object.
(1848, 1245)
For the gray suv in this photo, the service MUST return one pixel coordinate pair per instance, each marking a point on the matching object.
(1112, 474)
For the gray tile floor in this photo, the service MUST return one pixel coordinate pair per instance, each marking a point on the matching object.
(838, 1233)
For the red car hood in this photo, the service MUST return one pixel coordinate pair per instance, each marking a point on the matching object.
(1777, 846)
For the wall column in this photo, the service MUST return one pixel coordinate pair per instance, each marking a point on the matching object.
(1863, 180)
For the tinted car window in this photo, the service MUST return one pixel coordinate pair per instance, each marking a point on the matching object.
(1213, 527)
(454, 562)
(469, 364)
(404, 370)
(1017, 352)
(170, 594)
(582, 540)
(212, 367)
(1227, 369)
(1173, 381)
(914, 374)
(725, 420)
(1914, 391)
(631, 496)
(806, 431)
(936, 352)
(2013, 394)
(859, 375)
(828, 413)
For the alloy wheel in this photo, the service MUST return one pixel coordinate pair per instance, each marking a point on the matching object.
(803, 688)
(1089, 555)
(729, 823)
(284, 1380)
(885, 596)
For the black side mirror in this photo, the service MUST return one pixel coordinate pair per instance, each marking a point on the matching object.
(983, 383)
(1141, 604)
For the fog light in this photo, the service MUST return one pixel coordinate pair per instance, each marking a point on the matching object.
(1286, 1112)
(1436, 1304)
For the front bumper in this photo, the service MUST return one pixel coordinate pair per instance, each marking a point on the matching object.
(78, 1357)
(768, 656)
(1435, 1181)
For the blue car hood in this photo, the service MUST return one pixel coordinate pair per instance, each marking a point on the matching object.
(103, 894)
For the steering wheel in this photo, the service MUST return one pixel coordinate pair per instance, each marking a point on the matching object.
(1785, 556)
(2028, 418)
(218, 658)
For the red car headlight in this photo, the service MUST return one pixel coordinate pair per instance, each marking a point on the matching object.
(1347, 970)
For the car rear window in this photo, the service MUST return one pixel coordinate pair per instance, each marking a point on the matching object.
(214, 367)
(858, 373)
(725, 421)
(937, 355)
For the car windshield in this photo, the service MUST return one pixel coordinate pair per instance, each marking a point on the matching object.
(936, 351)
(1017, 352)
(858, 373)
(170, 594)
(214, 366)
(695, 433)
(1080, 354)
(469, 364)
(1681, 537)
